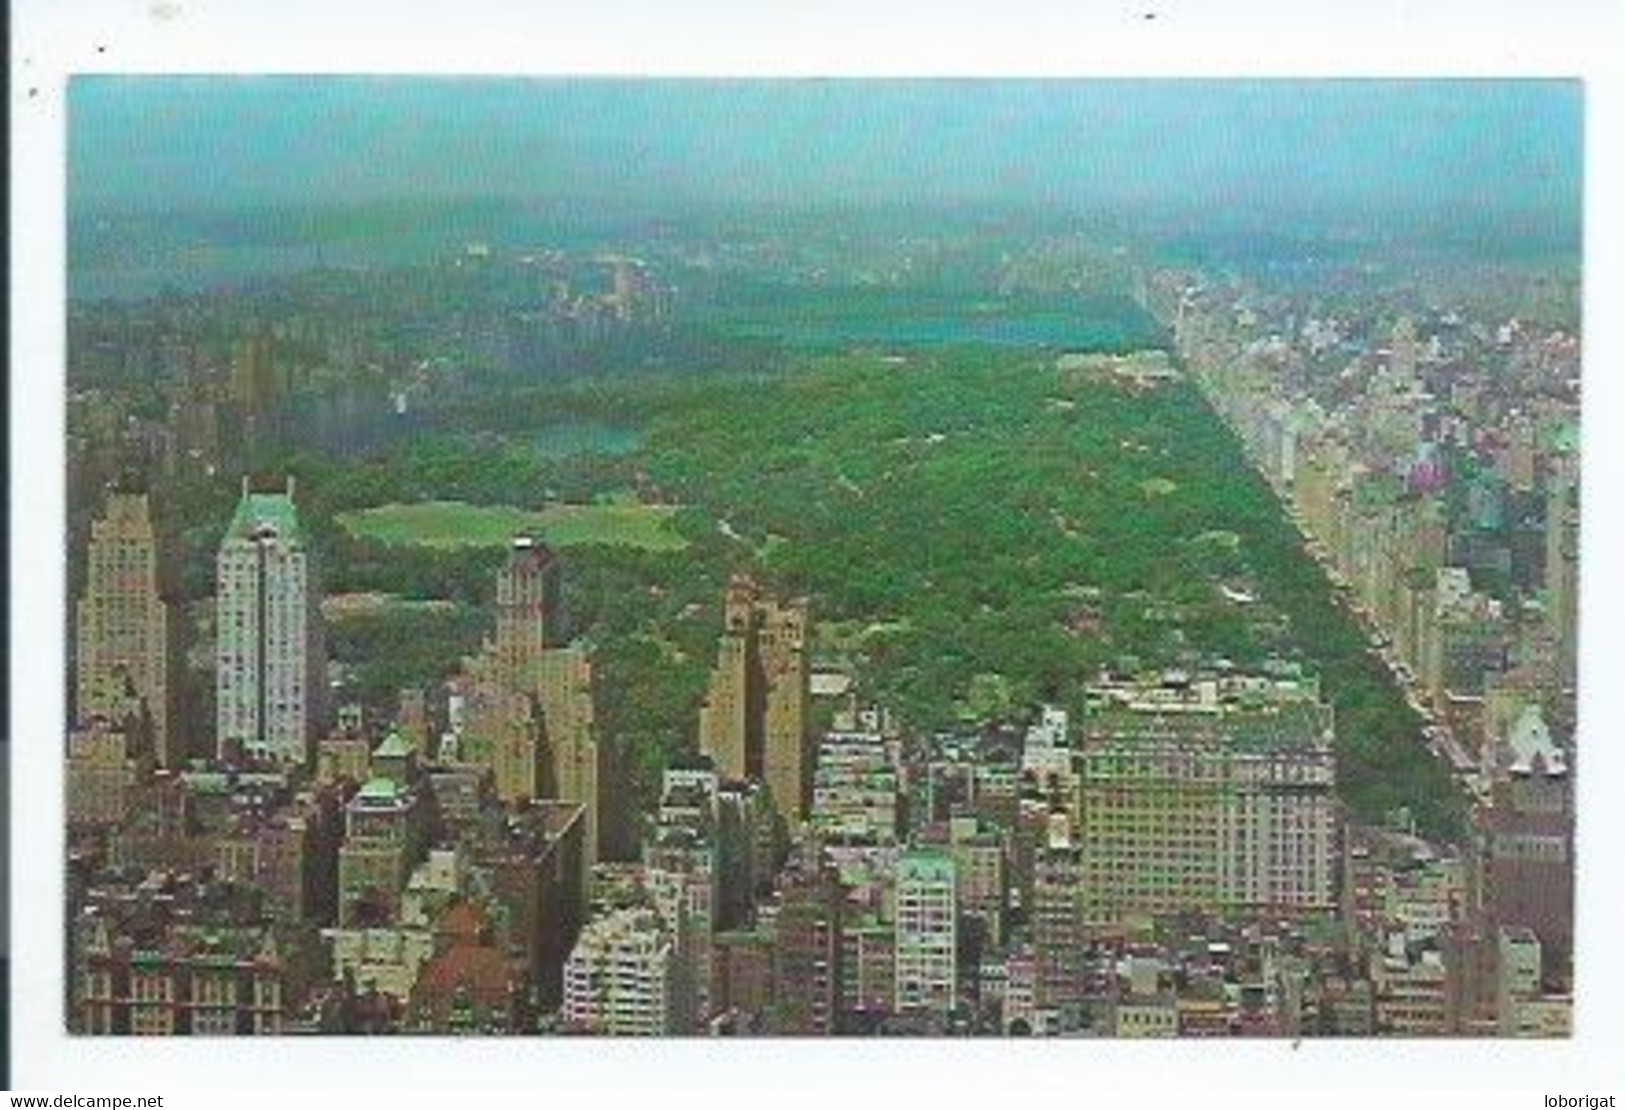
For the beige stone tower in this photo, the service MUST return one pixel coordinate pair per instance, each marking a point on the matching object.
(754, 720)
(124, 625)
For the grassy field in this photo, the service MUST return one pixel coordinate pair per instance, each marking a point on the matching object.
(348, 606)
(457, 524)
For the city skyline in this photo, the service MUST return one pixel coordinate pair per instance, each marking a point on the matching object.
(588, 249)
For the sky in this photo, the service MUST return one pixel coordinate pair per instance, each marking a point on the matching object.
(210, 142)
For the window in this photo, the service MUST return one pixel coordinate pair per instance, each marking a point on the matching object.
(214, 1023)
(150, 988)
(152, 1021)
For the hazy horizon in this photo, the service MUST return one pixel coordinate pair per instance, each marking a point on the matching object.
(1481, 147)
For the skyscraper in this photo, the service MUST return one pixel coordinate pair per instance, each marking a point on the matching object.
(855, 789)
(385, 837)
(754, 720)
(680, 872)
(1525, 841)
(124, 628)
(528, 658)
(1059, 937)
(529, 605)
(271, 663)
(807, 954)
(575, 757)
(732, 697)
(505, 732)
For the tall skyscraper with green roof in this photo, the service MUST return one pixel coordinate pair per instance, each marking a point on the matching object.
(270, 672)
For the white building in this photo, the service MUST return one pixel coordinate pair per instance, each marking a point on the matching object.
(1530, 739)
(1046, 750)
(270, 661)
(618, 980)
(927, 932)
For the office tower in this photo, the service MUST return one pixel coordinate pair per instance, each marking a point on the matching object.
(1059, 939)
(529, 608)
(527, 658)
(106, 766)
(747, 848)
(807, 954)
(345, 753)
(618, 980)
(271, 665)
(868, 970)
(732, 696)
(412, 718)
(503, 730)
(1403, 352)
(386, 831)
(754, 720)
(982, 881)
(1525, 843)
(1222, 795)
(576, 758)
(532, 858)
(787, 760)
(1045, 751)
(1523, 1008)
(927, 932)
(1468, 640)
(681, 872)
(679, 884)
(123, 645)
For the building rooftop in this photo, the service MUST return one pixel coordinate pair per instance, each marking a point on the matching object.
(1255, 729)
(529, 552)
(1531, 742)
(378, 790)
(477, 968)
(636, 925)
(394, 746)
(464, 923)
(257, 512)
(925, 864)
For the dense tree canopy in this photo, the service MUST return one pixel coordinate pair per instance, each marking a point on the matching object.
(984, 529)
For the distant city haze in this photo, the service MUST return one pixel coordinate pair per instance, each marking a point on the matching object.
(1476, 147)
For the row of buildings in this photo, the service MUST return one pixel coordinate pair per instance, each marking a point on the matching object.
(1431, 461)
(1180, 868)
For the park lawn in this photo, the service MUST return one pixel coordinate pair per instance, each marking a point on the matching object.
(373, 603)
(458, 524)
